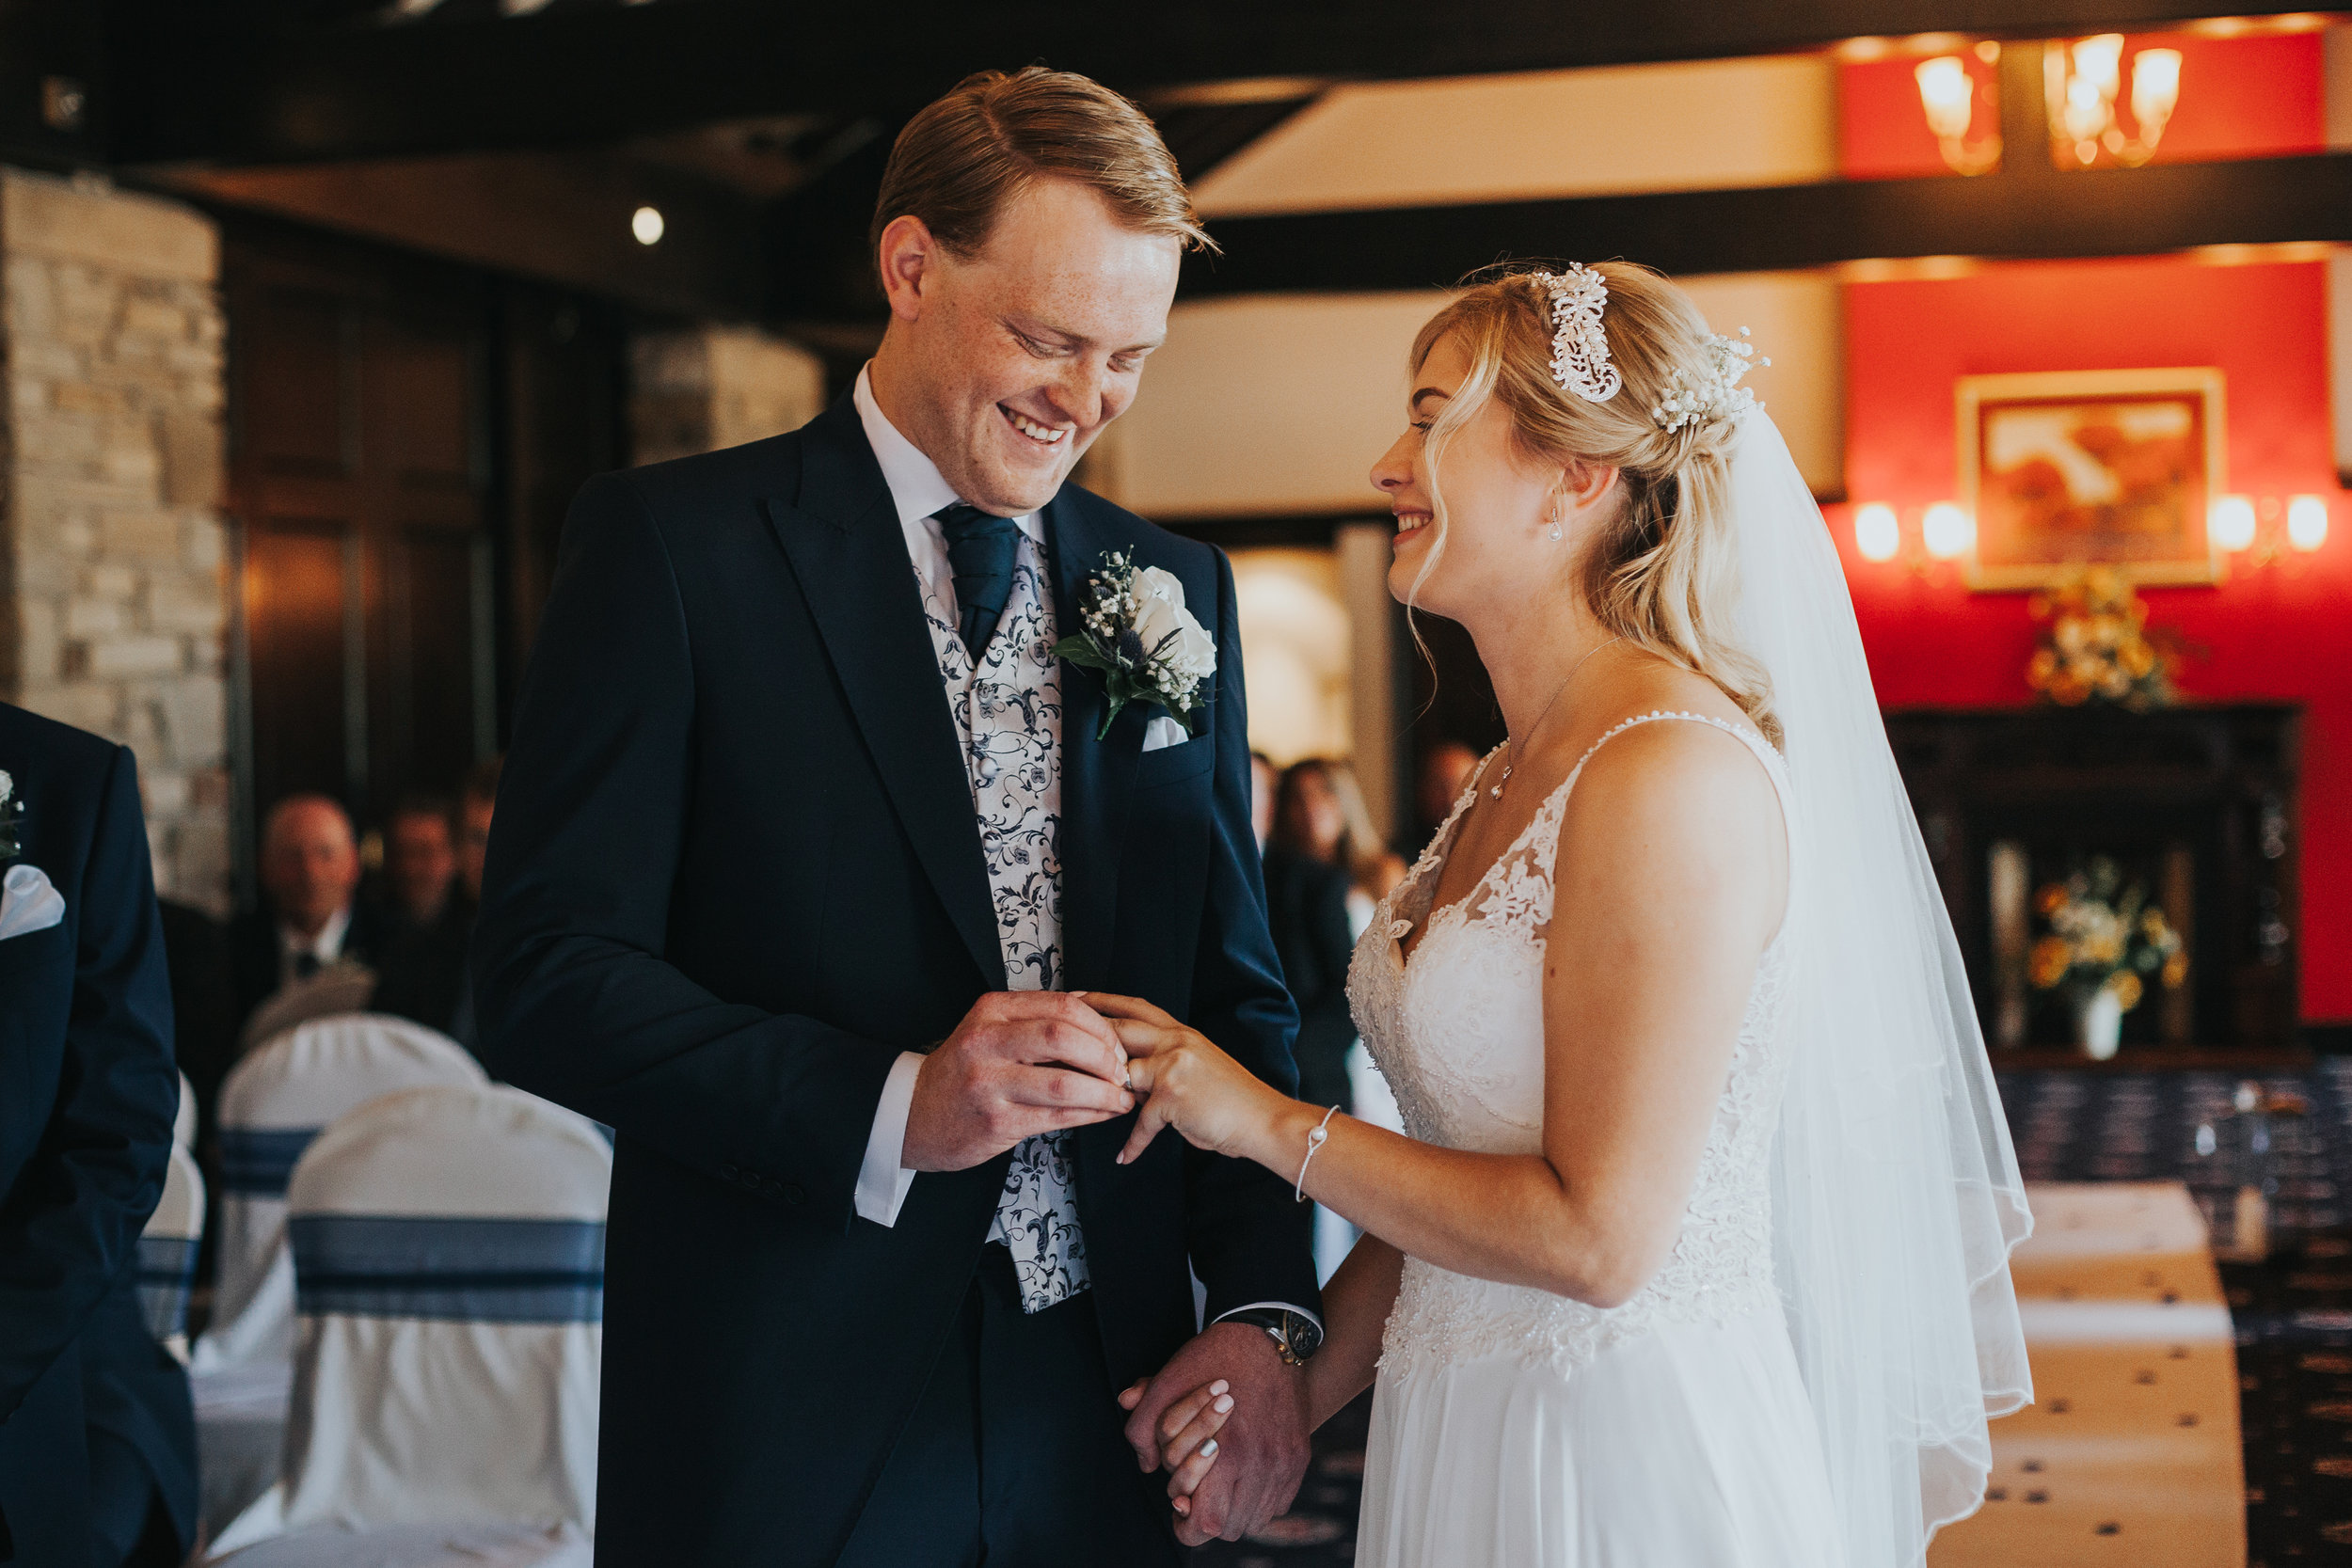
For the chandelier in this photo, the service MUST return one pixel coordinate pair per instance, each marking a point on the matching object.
(2083, 84)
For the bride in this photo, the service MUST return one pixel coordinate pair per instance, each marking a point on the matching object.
(1697, 1252)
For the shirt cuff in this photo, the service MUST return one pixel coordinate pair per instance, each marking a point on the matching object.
(882, 1182)
(1284, 1306)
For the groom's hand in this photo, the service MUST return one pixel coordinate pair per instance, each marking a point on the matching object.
(1022, 1062)
(1262, 1450)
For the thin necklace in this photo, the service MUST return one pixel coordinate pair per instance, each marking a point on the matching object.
(1504, 776)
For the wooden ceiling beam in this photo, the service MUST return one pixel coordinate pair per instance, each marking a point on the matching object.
(2167, 207)
(184, 86)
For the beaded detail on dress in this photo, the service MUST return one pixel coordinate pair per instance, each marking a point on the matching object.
(1459, 1031)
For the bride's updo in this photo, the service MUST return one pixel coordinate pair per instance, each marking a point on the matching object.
(1662, 572)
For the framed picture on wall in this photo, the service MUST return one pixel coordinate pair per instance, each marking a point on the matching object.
(2064, 469)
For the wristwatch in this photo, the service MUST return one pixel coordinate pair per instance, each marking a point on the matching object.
(1295, 1336)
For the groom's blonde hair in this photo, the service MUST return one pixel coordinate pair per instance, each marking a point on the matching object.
(958, 163)
(1663, 571)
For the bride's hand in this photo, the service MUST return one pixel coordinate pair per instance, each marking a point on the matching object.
(1188, 1431)
(1184, 1082)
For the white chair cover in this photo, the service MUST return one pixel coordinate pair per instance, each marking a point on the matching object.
(449, 1258)
(167, 1248)
(184, 1119)
(273, 1104)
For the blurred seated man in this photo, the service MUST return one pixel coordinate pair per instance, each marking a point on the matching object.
(420, 860)
(424, 973)
(312, 915)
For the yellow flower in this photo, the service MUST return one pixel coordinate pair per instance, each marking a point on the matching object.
(2127, 987)
(2103, 947)
(2051, 899)
(2152, 925)
(2069, 691)
(2039, 667)
(2175, 971)
(2049, 962)
(2136, 659)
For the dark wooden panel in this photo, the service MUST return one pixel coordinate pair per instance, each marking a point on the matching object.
(423, 402)
(429, 733)
(296, 583)
(299, 368)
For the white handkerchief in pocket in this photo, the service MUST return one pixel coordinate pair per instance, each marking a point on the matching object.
(28, 902)
(1164, 731)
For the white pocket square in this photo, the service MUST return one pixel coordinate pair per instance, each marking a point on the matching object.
(1164, 731)
(28, 902)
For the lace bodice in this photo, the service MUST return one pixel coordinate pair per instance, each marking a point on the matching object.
(1458, 1030)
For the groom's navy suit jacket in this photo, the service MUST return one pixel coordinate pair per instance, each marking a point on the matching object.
(735, 871)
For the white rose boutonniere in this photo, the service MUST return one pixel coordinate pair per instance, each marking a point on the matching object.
(11, 820)
(1149, 648)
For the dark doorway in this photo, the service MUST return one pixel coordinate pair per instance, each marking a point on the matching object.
(403, 437)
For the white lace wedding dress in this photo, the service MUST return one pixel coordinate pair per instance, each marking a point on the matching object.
(1515, 1428)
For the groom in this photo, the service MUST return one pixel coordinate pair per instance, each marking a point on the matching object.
(804, 842)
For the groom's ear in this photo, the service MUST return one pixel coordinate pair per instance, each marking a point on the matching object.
(909, 257)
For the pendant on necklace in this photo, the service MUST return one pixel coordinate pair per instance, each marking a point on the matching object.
(1496, 789)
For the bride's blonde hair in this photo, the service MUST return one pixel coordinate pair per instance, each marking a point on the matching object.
(1663, 571)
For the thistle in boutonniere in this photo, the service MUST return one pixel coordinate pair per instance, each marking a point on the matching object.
(11, 820)
(1149, 648)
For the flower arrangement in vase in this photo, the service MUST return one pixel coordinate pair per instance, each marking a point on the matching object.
(2095, 645)
(2103, 937)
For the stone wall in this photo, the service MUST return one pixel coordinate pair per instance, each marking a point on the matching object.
(113, 594)
(699, 388)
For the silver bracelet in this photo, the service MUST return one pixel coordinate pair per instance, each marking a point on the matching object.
(1314, 1141)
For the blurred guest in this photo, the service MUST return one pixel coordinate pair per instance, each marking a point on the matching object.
(311, 916)
(1445, 772)
(424, 971)
(1264, 776)
(420, 858)
(97, 1437)
(1308, 889)
(1373, 866)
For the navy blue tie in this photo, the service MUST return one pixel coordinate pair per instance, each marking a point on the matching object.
(980, 549)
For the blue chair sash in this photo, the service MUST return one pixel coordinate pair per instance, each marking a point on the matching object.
(166, 1270)
(257, 1161)
(450, 1268)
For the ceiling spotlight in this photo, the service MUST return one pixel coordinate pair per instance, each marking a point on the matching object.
(2307, 522)
(1947, 530)
(1876, 534)
(2231, 521)
(645, 223)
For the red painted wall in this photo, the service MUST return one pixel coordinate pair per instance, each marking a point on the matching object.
(2283, 633)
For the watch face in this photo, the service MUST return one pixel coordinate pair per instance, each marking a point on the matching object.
(1304, 1338)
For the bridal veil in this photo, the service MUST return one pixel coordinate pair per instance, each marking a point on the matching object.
(1897, 1197)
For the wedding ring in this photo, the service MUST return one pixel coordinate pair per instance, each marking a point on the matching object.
(1130, 1074)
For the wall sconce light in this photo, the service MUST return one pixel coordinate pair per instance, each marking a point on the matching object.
(1948, 96)
(2260, 533)
(1877, 533)
(1947, 530)
(647, 224)
(2231, 521)
(2307, 522)
(2082, 83)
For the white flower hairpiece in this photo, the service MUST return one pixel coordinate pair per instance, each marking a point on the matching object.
(1579, 347)
(1714, 392)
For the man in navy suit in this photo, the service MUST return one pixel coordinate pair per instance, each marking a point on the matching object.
(808, 849)
(87, 1096)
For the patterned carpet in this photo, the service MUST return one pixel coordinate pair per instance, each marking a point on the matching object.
(2293, 1312)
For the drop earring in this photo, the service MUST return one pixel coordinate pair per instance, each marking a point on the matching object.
(1555, 526)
